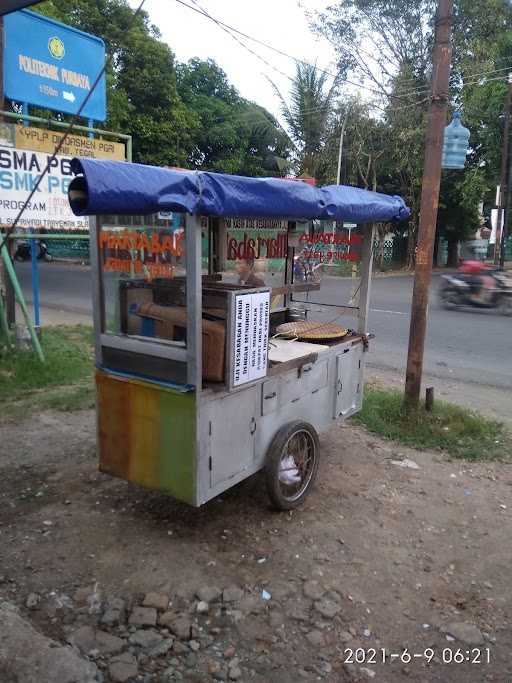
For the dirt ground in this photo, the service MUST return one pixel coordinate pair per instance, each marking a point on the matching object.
(381, 557)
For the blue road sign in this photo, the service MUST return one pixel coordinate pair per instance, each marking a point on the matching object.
(51, 65)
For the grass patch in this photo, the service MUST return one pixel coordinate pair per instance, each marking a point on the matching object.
(63, 382)
(64, 398)
(456, 430)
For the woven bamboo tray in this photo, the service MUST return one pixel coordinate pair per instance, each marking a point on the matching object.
(311, 331)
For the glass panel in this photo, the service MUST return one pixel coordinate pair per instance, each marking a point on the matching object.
(327, 253)
(253, 253)
(143, 271)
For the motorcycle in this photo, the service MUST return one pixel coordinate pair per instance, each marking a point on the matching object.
(479, 286)
(24, 253)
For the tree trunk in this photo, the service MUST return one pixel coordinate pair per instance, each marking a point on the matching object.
(453, 256)
(411, 247)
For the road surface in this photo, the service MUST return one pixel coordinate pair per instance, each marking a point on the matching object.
(464, 345)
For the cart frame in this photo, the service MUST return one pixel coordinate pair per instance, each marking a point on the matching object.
(255, 418)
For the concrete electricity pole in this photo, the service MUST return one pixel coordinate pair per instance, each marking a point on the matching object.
(429, 199)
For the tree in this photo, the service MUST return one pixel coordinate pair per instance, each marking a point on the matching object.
(458, 217)
(234, 135)
(377, 40)
(388, 46)
(307, 115)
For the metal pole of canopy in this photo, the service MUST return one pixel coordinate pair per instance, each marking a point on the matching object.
(194, 299)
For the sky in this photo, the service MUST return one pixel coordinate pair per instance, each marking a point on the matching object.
(280, 23)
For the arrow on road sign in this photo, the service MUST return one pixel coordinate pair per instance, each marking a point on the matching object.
(68, 96)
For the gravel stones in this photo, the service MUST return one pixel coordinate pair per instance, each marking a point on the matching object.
(179, 626)
(276, 619)
(202, 607)
(87, 640)
(313, 590)
(84, 639)
(32, 600)
(146, 639)
(299, 612)
(234, 673)
(115, 612)
(179, 648)
(213, 667)
(232, 594)
(315, 637)
(327, 608)
(465, 632)
(162, 648)
(143, 616)
(107, 644)
(159, 601)
(208, 593)
(28, 656)
(122, 668)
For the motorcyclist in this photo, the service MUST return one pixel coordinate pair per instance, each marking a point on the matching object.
(480, 282)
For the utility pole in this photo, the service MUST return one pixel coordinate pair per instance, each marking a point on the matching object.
(340, 150)
(441, 62)
(504, 176)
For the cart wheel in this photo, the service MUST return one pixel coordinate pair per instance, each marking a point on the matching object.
(292, 464)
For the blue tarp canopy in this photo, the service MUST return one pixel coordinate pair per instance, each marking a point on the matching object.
(118, 187)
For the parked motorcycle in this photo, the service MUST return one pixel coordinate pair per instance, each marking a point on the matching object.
(23, 251)
(477, 285)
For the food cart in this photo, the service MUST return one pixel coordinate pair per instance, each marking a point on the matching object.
(209, 367)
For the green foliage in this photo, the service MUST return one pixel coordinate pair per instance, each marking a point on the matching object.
(458, 217)
(458, 431)
(232, 135)
(179, 115)
(388, 45)
(376, 40)
(307, 115)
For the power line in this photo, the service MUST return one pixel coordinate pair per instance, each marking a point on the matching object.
(284, 54)
(246, 47)
(399, 96)
(372, 105)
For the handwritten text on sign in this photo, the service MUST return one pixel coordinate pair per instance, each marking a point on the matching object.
(250, 339)
(140, 253)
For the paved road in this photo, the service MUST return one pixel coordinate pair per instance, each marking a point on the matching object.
(470, 346)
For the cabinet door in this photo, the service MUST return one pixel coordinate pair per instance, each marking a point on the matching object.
(348, 382)
(232, 437)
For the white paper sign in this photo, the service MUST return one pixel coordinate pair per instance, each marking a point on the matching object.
(250, 340)
(494, 224)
